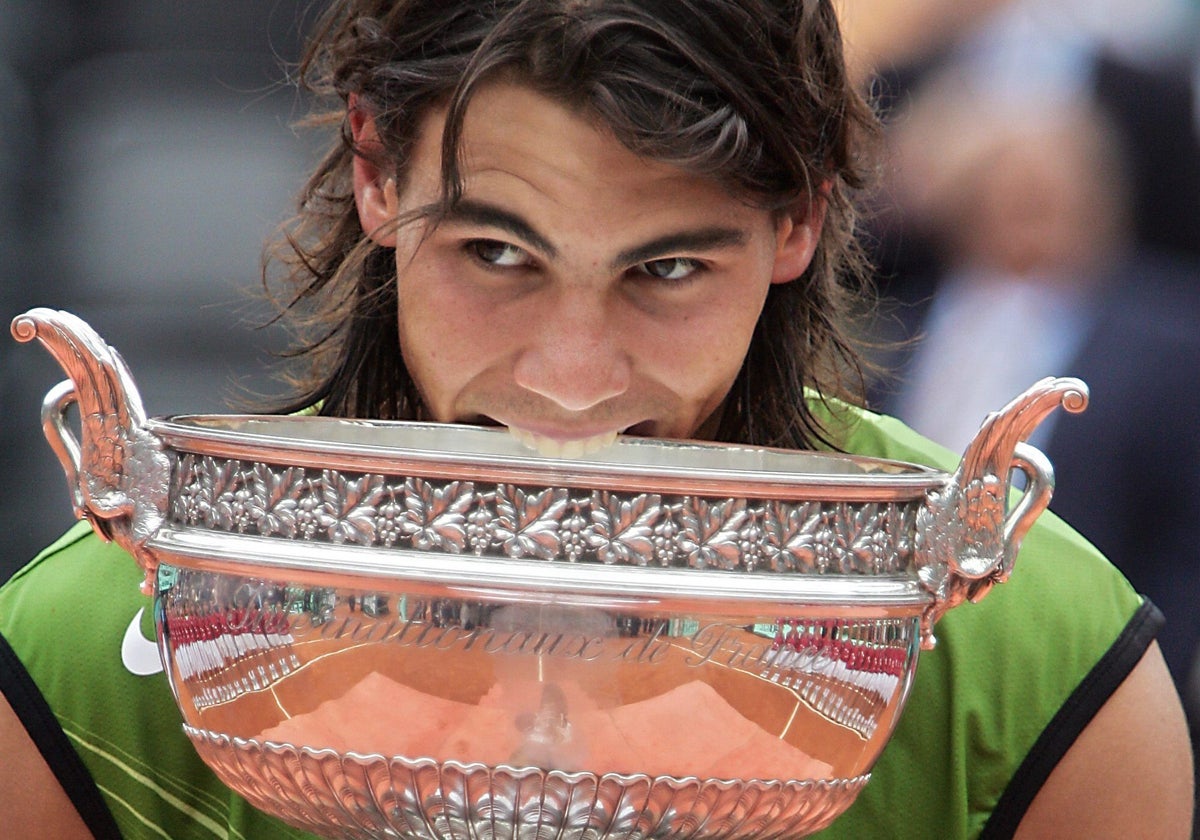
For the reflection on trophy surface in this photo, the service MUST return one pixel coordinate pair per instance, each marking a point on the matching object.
(526, 686)
(530, 686)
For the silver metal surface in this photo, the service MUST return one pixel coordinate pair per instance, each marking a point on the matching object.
(450, 801)
(414, 630)
(614, 584)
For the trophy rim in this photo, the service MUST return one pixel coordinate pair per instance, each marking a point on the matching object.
(482, 453)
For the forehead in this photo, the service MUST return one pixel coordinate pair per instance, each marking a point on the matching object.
(515, 138)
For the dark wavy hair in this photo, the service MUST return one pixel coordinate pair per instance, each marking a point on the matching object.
(751, 93)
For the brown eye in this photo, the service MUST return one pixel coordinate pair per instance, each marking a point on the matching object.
(497, 253)
(673, 268)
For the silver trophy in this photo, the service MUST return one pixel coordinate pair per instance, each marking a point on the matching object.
(427, 631)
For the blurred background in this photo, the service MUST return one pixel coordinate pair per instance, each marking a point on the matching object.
(147, 152)
(1039, 214)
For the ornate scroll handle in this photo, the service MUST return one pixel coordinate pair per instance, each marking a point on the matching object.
(967, 538)
(117, 472)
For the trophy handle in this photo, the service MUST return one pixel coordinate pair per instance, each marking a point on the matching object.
(967, 538)
(1039, 487)
(58, 401)
(117, 472)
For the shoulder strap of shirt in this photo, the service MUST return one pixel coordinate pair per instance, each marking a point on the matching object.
(1072, 718)
(34, 713)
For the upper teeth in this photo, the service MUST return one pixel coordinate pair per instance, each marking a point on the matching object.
(552, 448)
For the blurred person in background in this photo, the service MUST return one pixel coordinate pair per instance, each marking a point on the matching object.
(1024, 203)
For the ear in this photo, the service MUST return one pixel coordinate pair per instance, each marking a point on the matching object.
(796, 238)
(374, 191)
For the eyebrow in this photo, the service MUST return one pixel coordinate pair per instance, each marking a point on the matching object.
(480, 213)
(702, 239)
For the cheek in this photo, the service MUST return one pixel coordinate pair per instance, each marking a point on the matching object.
(444, 336)
(700, 355)
(726, 325)
(430, 310)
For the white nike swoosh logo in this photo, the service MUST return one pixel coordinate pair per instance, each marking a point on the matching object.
(139, 655)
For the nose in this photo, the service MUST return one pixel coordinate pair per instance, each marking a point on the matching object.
(573, 354)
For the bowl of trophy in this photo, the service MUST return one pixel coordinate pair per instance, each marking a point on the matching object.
(428, 631)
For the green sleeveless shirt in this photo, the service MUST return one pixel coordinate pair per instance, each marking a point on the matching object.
(1012, 681)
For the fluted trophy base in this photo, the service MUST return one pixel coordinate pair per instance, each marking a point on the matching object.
(368, 796)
